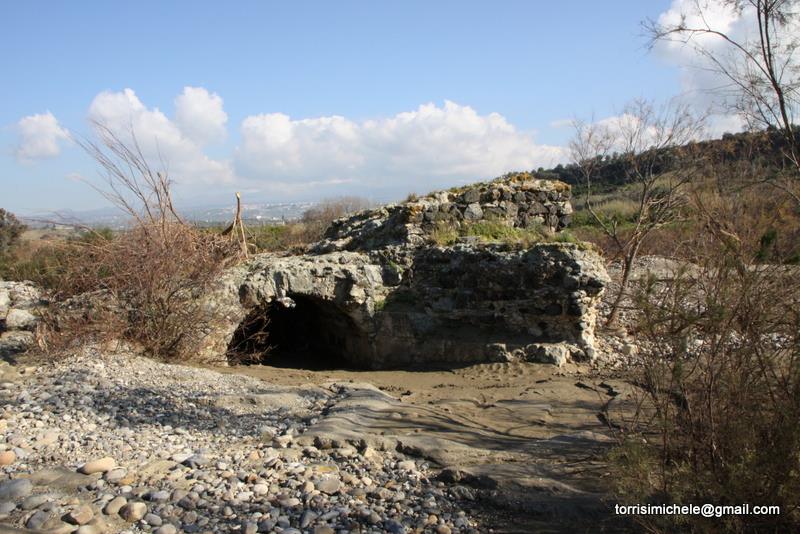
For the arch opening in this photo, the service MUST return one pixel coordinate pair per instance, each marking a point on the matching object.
(309, 333)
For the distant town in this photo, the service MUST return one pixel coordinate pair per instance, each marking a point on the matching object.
(252, 214)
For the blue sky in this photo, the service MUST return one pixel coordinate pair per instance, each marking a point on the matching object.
(421, 91)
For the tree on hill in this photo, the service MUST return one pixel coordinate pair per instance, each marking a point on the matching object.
(10, 231)
(759, 64)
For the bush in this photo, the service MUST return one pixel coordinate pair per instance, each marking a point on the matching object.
(10, 232)
(143, 285)
(151, 277)
(317, 219)
(274, 238)
(720, 402)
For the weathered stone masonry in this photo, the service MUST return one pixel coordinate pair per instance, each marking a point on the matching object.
(378, 294)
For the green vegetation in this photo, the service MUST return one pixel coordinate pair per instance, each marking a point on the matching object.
(500, 232)
(10, 231)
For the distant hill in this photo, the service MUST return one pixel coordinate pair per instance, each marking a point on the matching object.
(762, 148)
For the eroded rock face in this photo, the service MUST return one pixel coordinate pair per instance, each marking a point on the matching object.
(376, 293)
(20, 303)
(517, 199)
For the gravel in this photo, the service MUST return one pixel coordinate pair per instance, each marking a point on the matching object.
(120, 443)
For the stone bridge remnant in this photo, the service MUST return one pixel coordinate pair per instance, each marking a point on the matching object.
(378, 292)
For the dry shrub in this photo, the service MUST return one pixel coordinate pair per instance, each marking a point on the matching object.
(143, 285)
(317, 219)
(720, 418)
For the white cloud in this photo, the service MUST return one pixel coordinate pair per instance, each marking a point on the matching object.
(423, 149)
(430, 147)
(40, 137)
(562, 123)
(160, 138)
(200, 116)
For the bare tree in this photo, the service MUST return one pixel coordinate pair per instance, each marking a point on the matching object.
(643, 137)
(760, 66)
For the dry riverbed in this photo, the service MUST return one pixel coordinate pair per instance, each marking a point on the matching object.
(523, 444)
(118, 443)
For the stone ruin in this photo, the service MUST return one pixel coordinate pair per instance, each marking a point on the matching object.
(20, 303)
(377, 292)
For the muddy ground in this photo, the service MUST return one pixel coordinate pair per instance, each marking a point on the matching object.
(527, 441)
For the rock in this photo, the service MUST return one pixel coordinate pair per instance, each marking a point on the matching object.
(443, 529)
(98, 466)
(15, 489)
(7, 457)
(7, 507)
(306, 518)
(153, 520)
(35, 501)
(89, 529)
(55, 526)
(329, 485)
(18, 319)
(554, 353)
(133, 511)
(80, 516)
(407, 465)
(166, 529)
(473, 212)
(115, 475)
(324, 530)
(37, 520)
(115, 505)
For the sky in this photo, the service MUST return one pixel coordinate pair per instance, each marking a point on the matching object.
(299, 101)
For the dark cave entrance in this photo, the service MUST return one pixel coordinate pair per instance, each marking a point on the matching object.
(311, 334)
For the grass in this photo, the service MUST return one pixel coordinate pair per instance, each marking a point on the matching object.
(496, 231)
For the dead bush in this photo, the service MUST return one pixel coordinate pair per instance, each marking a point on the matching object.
(142, 285)
(317, 219)
(720, 418)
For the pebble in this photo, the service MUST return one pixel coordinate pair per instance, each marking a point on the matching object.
(35, 501)
(153, 520)
(37, 520)
(98, 466)
(133, 511)
(115, 475)
(307, 518)
(173, 469)
(7, 507)
(115, 505)
(329, 485)
(15, 489)
(7, 457)
(80, 516)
